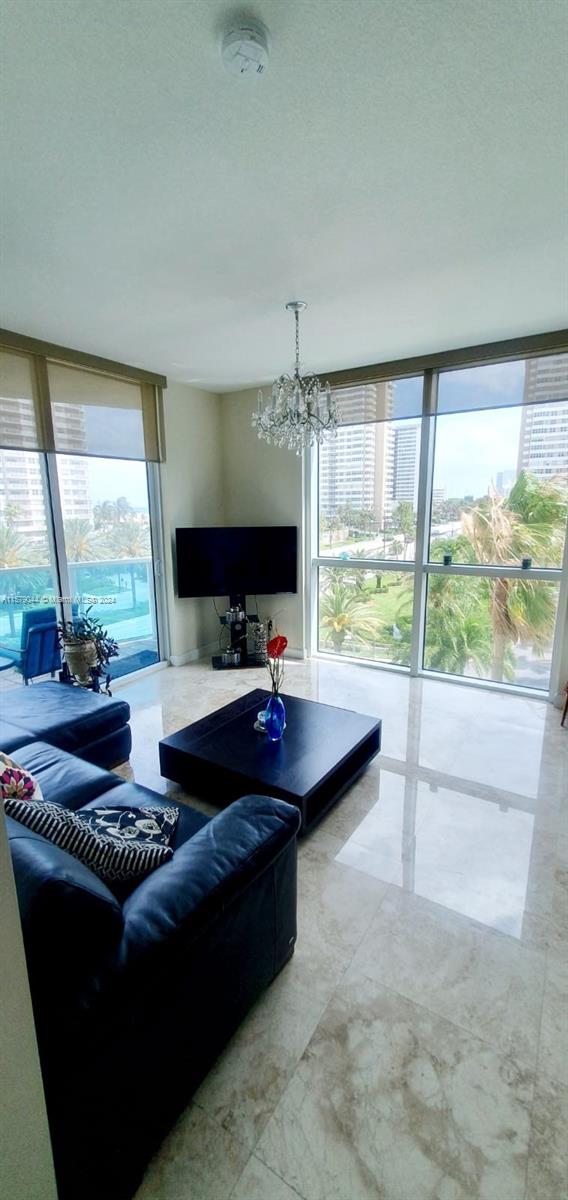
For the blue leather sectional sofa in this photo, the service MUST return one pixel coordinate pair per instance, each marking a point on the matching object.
(135, 998)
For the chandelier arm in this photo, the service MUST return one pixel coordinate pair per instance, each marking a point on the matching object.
(301, 410)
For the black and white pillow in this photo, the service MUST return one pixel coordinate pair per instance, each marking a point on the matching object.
(131, 825)
(134, 846)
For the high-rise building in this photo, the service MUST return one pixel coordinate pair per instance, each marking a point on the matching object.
(373, 463)
(21, 482)
(543, 439)
(405, 464)
(504, 481)
(355, 468)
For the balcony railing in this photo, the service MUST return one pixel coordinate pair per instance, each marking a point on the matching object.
(119, 591)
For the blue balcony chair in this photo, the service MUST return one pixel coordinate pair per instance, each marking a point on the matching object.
(38, 652)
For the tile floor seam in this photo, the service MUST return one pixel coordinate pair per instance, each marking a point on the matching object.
(504, 1054)
(540, 1070)
(223, 1124)
(272, 1172)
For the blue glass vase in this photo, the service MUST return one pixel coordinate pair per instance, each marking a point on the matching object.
(275, 717)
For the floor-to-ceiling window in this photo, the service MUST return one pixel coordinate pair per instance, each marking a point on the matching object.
(441, 521)
(367, 507)
(77, 526)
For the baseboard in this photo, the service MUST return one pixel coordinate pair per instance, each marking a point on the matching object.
(123, 680)
(180, 660)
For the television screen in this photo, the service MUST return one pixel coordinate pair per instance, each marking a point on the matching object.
(245, 561)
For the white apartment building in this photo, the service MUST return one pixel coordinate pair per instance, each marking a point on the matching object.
(405, 462)
(543, 439)
(356, 467)
(21, 471)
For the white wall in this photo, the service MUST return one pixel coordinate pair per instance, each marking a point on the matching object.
(26, 1168)
(191, 495)
(262, 485)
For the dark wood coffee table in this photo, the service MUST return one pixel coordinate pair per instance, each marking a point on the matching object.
(322, 751)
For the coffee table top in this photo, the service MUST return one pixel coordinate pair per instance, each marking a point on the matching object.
(317, 739)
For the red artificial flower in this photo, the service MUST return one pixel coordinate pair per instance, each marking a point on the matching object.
(276, 646)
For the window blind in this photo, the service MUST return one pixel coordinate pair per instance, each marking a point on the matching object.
(525, 381)
(387, 400)
(539, 380)
(48, 405)
(18, 401)
(101, 416)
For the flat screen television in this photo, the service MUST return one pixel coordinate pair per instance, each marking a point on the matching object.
(243, 561)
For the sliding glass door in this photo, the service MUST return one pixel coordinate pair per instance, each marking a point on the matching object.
(78, 529)
(28, 572)
(108, 547)
(441, 522)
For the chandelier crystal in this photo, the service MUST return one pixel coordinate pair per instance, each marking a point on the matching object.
(299, 411)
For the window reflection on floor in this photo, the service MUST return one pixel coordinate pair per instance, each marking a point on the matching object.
(464, 852)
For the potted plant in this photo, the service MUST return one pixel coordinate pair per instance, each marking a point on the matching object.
(86, 646)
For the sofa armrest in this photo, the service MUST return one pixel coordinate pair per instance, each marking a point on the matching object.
(207, 873)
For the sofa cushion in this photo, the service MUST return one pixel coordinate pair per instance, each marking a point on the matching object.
(113, 861)
(63, 778)
(12, 736)
(133, 795)
(65, 716)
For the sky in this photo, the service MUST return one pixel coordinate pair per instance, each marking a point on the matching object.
(471, 446)
(109, 479)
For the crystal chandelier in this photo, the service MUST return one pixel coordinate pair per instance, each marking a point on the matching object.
(300, 411)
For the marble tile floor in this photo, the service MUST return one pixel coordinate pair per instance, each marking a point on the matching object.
(416, 1046)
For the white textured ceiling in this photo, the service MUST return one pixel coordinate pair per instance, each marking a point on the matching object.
(402, 166)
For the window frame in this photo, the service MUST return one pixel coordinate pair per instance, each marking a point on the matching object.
(431, 366)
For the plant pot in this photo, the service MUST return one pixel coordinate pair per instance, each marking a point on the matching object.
(80, 657)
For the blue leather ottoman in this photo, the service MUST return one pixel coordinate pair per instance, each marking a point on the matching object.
(92, 726)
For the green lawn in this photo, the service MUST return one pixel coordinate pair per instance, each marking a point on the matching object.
(386, 605)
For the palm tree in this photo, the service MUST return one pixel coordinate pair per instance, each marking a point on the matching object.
(123, 509)
(80, 540)
(458, 631)
(130, 540)
(344, 614)
(104, 514)
(404, 522)
(15, 550)
(502, 532)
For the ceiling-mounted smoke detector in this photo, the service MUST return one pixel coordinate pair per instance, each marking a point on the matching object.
(244, 49)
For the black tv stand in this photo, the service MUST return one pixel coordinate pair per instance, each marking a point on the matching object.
(237, 626)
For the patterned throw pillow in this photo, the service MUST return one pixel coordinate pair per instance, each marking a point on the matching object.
(16, 782)
(116, 857)
(154, 825)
